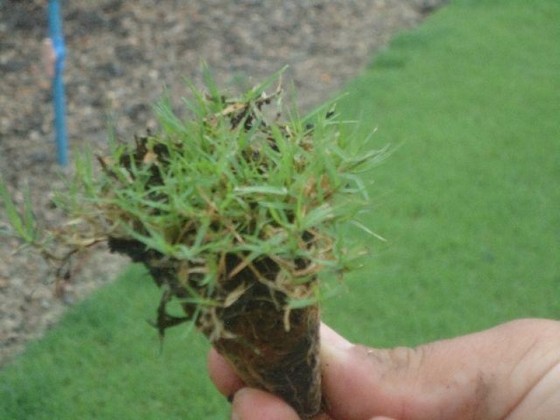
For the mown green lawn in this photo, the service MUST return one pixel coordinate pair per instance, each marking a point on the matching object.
(468, 202)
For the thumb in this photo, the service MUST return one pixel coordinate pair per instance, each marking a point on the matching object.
(365, 383)
(464, 377)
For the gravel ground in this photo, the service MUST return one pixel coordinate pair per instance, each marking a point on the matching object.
(122, 55)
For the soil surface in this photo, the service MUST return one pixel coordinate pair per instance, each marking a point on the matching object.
(121, 57)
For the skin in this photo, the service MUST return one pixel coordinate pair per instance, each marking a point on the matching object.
(509, 372)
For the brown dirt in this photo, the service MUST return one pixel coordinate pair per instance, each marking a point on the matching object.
(122, 56)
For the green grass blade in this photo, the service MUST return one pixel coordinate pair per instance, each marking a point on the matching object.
(23, 224)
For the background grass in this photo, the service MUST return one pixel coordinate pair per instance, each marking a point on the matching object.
(468, 202)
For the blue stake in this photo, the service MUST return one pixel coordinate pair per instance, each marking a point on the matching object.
(57, 39)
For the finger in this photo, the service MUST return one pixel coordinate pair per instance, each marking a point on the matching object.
(253, 404)
(349, 382)
(361, 382)
(223, 376)
(466, 377)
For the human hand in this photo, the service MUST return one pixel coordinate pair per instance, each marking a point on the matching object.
(511, 371)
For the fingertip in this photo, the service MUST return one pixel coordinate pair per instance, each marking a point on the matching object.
(222, 374)
(350, 380)
(254, 404)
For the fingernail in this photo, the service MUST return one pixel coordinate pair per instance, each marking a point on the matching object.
(234, 415)
(331, 338)
(331, 352)
(234, 412)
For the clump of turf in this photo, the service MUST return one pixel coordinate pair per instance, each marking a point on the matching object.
(237, 217)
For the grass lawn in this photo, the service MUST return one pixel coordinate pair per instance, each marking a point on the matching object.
(468, 203)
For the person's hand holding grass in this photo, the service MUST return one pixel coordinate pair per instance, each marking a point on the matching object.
(510, 371)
